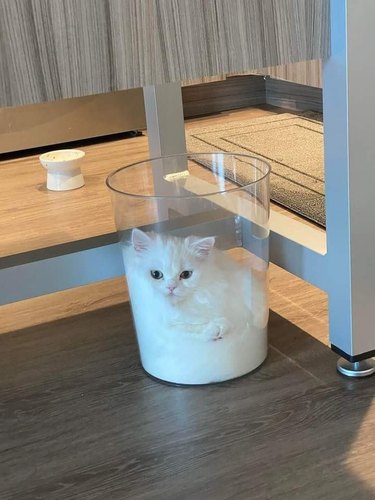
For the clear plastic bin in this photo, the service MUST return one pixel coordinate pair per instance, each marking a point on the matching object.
(194, 235)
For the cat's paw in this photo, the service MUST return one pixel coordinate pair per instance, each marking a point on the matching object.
(218, 336)
(215, 330)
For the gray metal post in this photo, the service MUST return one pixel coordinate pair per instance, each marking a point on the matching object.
(166, 136)
(165, 119)
(349, 76)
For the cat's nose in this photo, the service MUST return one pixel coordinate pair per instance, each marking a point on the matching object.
(171, 287)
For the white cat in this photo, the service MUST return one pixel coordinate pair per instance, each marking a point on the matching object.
(186, 287)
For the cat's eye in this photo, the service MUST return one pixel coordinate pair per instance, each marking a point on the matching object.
(157, 275)
(185, 275)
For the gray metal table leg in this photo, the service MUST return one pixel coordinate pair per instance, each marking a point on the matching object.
(348, 92)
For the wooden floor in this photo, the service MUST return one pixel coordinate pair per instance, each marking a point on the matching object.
(80, 420)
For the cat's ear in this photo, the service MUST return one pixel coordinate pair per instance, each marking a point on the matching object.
(201, 247)
(140, 240)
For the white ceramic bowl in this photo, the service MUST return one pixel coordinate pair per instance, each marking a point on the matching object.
(63, 169)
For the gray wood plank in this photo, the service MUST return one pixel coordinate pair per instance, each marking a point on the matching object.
(80, 419)
(293, 96)
(52, 49)
(276, 31)
(304, 72)
(215, 97)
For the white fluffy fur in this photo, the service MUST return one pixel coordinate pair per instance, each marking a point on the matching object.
(220, 298)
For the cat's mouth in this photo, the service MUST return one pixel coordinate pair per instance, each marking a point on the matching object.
(174, 297)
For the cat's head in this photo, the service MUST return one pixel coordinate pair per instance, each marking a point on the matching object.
(173, 266)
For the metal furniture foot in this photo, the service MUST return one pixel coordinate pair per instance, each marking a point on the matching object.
(363, 368)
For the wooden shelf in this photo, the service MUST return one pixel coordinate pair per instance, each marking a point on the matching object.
(36, 223)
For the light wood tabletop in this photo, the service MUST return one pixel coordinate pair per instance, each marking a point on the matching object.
(33, 218)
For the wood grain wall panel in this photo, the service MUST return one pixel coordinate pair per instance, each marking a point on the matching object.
(53, 49)
(168, 40)
(276, 31)
(205, 79)
(303, 72)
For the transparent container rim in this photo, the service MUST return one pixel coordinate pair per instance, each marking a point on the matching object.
(189, 196)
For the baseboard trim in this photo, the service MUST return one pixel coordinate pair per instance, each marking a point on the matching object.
(243, 91)
(214, 97)
(293, 96)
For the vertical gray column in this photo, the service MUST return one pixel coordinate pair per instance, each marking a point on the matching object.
(165, 119)
(166, 136)
(349, 110)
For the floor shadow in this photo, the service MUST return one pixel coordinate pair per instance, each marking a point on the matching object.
(80, 419)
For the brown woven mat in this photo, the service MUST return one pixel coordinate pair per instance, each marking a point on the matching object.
(292, 144)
